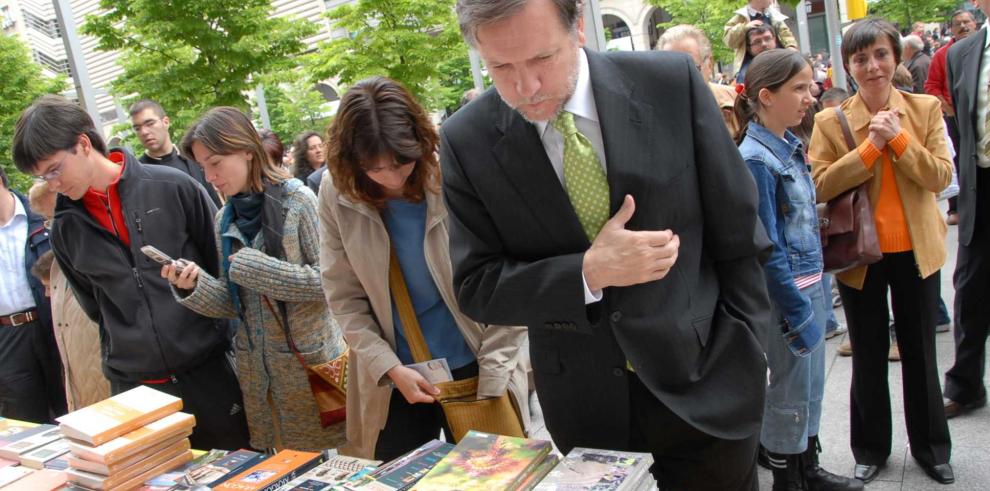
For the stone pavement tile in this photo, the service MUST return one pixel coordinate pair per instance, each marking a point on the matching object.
(971, 465)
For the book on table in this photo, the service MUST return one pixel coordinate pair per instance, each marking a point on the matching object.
(273, 472)
(121, 414)
(121, 465)
(604, 470)
(336, 471)
(13, 473)
(539, 473)
(34, 438)
(179, 478)
(37, 458)
(173, 426)
(11, 430)
(39, 480)
(401, 473)
(486, 461)
(133, 478)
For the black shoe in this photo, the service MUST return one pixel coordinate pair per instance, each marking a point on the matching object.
(787, 474)
(941, 473)
(818, 479)
(866, 472)
(953, 408)
(763, 459)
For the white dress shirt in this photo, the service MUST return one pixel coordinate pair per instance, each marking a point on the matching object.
(582, 106)
(15, 291)
(982, 99)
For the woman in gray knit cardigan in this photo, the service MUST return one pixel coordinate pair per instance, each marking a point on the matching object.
(269, 268)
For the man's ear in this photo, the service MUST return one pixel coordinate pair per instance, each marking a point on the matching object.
(166, 121)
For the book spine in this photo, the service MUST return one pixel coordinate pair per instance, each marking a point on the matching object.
(521, 478)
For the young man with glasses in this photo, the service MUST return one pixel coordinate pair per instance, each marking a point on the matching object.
(111, 205)
(31, 386)
(150, 124)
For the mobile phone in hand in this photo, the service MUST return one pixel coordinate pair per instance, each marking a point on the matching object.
(162, 258)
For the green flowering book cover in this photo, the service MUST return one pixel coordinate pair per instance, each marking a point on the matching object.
(486, 461)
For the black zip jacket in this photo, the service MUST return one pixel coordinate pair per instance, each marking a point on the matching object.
(144, 333)
(186, 165)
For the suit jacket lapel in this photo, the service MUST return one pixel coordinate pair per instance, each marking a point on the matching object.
(625, 129)
(523, 158)
(971, 69)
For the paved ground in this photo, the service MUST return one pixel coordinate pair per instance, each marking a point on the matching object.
(970, 452)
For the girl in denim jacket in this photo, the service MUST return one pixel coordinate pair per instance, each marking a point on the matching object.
(775, 97)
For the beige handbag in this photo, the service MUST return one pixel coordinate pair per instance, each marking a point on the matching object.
(459, 398)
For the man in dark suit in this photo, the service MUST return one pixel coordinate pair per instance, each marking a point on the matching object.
(968, 67)
(644, 327)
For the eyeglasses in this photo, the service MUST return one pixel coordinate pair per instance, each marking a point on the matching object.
(55, 171)
(146, 125)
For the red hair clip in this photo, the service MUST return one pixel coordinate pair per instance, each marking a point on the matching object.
(740, 88)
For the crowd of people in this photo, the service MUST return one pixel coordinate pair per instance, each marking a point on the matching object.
(532, 241)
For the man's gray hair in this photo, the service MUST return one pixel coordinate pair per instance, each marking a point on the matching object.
(472, 14)
(681, 32)
(914, 42)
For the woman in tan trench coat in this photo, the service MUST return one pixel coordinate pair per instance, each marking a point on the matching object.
(382, 190)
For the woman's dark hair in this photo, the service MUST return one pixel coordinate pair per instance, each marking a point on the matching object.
(226, 130)
(378, 117)
(769, 70)
(301, 168)
(273, 145)
(864, 33)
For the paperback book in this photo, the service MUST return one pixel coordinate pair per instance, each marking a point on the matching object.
(120, 465)
(336, 471)
(126, 475)
(486, 461)
(273, 472)
(401, 473)
(174, 426)
(598, 470)
(39, 480)
(37, 458)
(36, 437)
(118, 415)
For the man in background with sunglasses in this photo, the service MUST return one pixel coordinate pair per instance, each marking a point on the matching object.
(30, 371)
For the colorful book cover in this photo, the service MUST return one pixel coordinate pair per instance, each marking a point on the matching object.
(40, 480)
(181, 478)
(403, 472)
(118, 415)
(230, 466)
(273, 472)
(596, 470)
(37, 458)
(174, 426)
(11, 430)
(336, 471)
(486, 461)
(39, 436)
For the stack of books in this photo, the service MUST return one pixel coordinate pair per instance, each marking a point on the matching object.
(402, 473)
(118, 443)
(206, 471)
(490, 462)
(603, 470)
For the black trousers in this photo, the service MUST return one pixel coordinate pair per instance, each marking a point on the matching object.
(209, 392)
(410, 425)
(953, 129)
(684, 457)
(915, 310)
(31, 384)
(964, 381)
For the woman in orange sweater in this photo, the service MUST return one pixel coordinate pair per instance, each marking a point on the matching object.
(902, 155)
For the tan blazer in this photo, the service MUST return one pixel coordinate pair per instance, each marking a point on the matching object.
(354, 259)
(78, 339)
(924, 170)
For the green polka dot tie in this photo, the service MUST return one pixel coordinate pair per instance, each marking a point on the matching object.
(584, 178)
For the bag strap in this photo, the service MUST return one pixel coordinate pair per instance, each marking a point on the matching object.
(846, 132)
(407, 314)
(285, 329)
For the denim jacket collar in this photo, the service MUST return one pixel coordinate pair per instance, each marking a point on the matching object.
(782, 149)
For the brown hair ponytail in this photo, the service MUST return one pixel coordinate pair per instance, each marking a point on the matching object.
(769, 70)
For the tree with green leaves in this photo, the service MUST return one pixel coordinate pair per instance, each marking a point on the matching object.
(21, 82)
(190, 55)
(416, 42)
(708, 15)
(904, 13)
(294, 105)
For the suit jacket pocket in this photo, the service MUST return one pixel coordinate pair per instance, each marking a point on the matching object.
(702, 327)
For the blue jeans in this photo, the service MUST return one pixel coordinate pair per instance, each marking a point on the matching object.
(793, 406)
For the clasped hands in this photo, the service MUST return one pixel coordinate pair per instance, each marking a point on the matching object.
(885, 126)
(620, 257)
